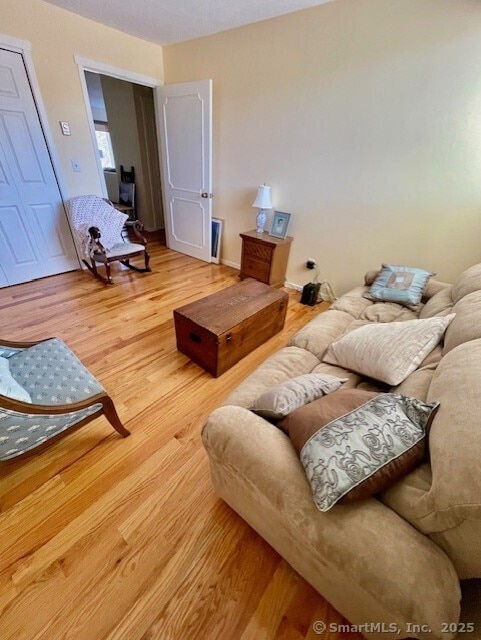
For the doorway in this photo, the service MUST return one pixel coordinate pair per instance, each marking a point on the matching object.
(183, 130)
(123, 118)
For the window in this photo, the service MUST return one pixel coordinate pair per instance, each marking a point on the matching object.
(104, 144)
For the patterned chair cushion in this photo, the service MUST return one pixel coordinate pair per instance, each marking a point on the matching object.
(20, 432)
(52, 374)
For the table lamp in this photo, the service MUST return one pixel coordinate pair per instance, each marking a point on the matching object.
(262, 202)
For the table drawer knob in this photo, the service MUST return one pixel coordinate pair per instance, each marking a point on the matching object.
(228, 337)
(195, 337)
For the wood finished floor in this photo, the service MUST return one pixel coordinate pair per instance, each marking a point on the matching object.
(104, 538)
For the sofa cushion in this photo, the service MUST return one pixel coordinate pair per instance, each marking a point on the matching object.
(401, 284)
(468, 281)
(353, 444)
(318, 334)
(388, 352)
(466, 325)
(277, 402)
(353, 302)
(439, 305)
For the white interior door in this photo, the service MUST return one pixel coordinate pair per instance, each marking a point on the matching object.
(185, 135)
(35, 238)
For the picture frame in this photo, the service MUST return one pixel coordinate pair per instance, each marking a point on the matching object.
(216, 239)
(280, 223)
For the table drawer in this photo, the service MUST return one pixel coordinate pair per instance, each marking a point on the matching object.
(259, 251)
(254, 268)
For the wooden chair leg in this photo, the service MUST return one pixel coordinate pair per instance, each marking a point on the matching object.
(107, 270)
(113, 417)
(147, 261)
(93, 269)
(126, 263)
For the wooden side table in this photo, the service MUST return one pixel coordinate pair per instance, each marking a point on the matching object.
(264, 257)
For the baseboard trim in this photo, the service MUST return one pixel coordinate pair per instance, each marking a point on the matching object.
(229, 263)
(293, 285)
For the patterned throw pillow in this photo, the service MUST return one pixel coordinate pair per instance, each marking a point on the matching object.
(388, 351)
(279, 401)
(396, 283)
(354, 443)
(9, 386)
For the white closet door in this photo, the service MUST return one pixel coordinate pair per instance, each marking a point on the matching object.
(35, 238)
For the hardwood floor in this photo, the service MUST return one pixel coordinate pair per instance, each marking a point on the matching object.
(124, 539)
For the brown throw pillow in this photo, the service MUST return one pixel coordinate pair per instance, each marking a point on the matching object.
(354, 443)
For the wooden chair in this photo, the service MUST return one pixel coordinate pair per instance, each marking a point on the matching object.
(64, 395)
(126, 203)
(98, 227)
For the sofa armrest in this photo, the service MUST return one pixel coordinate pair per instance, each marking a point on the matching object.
(366, 560)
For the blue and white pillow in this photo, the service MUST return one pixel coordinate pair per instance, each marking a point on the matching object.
(397, 283)
(9, 386)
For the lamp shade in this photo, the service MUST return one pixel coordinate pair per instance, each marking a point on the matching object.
(263, 198)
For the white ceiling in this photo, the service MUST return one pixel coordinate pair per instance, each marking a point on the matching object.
(169, 21)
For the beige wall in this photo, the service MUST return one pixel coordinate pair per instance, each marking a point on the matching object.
(365, 118)
(56, 36)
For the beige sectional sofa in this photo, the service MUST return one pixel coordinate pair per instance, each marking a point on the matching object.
(394, 560)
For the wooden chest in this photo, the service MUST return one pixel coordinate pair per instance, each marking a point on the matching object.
(219, 330)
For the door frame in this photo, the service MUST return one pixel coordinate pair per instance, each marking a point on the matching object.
(24, 47)
(85, 64)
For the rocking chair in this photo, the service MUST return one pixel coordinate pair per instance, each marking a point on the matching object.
(98, 226)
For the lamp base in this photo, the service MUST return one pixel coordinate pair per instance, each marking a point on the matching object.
(261, 221)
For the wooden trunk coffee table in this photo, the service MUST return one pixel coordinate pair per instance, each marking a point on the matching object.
(219, 330)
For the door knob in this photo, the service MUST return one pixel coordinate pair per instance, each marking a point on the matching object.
(207, 195)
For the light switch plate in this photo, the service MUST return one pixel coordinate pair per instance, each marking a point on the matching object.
(65, 126)
(76, 166)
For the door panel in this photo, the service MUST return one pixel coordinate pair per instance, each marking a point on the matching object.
(35, 238)
(8, 86)
(185, 122)
(19, 255)
(187, 223)
(22, 148)
(50, 236)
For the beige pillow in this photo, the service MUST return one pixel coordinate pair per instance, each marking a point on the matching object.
(279, 401)
(390, 351)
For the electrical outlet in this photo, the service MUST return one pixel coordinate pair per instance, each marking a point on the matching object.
(310, 264)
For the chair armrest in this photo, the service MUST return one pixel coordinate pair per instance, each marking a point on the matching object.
(21, 345)
(40, 409)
